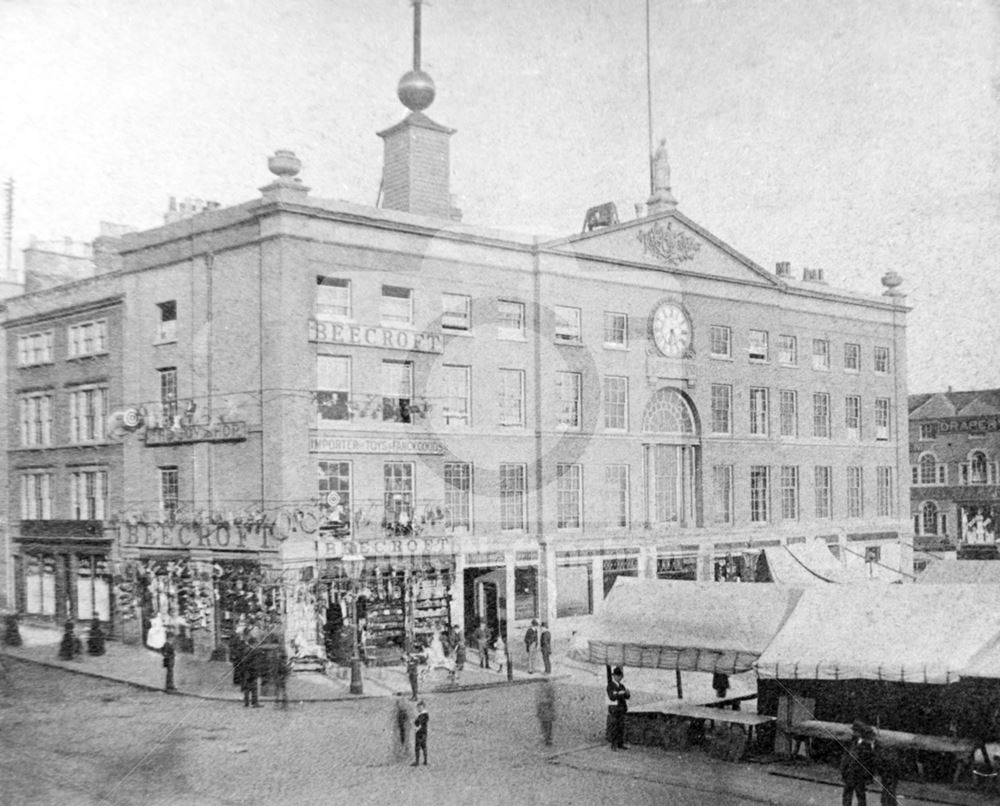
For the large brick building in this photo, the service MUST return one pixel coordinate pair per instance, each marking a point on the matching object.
(500, 425)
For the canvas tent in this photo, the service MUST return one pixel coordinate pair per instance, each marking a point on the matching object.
(894, 633)
(952, 572)
(688, 626)
(808, 563)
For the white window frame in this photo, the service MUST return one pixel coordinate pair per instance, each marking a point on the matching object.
(82, 506)
(513, 471)
(722, 494)
(458, 498)
(166, 324)
(757, 347)
(759, 425)
(341, 404)
(456, 312)
(617, 492)
(569, 394)
(36, 419)
(94, 331)
(823, 488)
(821, 416)
(928, 432)
(36, 495)
(788, 350)
(34, 349)
(568, 324)
(852, 417)
(722, 408)
(885, 494)
(821, 354)
(87, 424)
(612, 330)
(849, 354)
(720, 341)
(785, 411)
(855, 491)
(327, 482)
(760, 493)
(569, 497)
(169, 476)
(510, 311)
(394, 399)
(505, 399)
(788, 490)
(456, 386)
(615, 394)
(334, 304)
(388, 314)
(881, 362)
(883, 418)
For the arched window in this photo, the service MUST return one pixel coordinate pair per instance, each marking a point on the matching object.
(977, 468)
(928, 469)
(668, 413)
(929, 518)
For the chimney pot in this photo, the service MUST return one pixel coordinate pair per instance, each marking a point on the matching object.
(783, 268)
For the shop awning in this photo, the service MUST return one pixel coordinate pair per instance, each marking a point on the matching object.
(690, 626)
(809, 563)
(899, 633)
(952, 572)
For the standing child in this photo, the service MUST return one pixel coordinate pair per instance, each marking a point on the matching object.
(420, 737)
(500, 648)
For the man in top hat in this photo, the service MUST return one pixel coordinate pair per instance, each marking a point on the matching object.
(618, 695)
(858, 764)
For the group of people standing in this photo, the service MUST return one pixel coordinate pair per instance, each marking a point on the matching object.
(253, 661)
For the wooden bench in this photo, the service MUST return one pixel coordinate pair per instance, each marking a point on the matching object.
(963, 750)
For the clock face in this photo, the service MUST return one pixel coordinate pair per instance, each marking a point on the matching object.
(671, 330)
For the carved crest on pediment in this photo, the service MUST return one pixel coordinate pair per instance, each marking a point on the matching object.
(668, 245)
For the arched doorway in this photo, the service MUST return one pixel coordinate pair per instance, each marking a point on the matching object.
(672, 456)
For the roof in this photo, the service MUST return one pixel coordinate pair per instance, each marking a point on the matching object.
(954, 404)
(952, 572)
(900, 633)
(691, 626)
(809, 563)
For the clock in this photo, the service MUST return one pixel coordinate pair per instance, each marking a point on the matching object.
(671, 329)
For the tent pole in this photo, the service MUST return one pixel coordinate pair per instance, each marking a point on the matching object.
(680, 689)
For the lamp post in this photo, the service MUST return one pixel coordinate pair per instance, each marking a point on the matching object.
(354, 565)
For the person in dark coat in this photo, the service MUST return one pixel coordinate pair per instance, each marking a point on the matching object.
(720, 682)
(545, 708)
(545, 644)
(619, 696)
(857, 767)
(250, 678)
(888, 765)
(280, 669)
(412, 672)
(531, 645)
(169, 655)
(420, 737)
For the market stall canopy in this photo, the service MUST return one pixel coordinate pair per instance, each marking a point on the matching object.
(690, 626)
(951, 572)
(986, 662)
(809, 563)
(898, 633)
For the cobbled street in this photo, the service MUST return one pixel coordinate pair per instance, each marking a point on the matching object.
(71, 739)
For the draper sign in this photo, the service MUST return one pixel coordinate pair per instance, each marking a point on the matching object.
(371, 336)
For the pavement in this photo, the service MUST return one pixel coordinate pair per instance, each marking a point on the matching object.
(212, 680)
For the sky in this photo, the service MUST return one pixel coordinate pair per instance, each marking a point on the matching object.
(848, 135)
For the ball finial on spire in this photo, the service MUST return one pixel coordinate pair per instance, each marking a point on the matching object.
(416, 90)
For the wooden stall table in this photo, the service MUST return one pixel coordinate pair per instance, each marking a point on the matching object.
(963, 750)
(673, 720)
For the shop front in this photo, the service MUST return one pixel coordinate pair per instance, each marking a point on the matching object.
(402, 597)
(62, 571)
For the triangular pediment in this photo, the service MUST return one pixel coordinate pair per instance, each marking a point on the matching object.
(669, 241)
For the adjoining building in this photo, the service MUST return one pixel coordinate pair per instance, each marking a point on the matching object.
(955, 486)
(500, 425)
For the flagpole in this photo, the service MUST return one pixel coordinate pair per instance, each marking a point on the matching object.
(649, 103)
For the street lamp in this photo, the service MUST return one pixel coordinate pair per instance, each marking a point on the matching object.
(354, 565)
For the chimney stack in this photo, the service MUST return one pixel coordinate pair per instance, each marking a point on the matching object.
(813, 275)
(783, 268)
